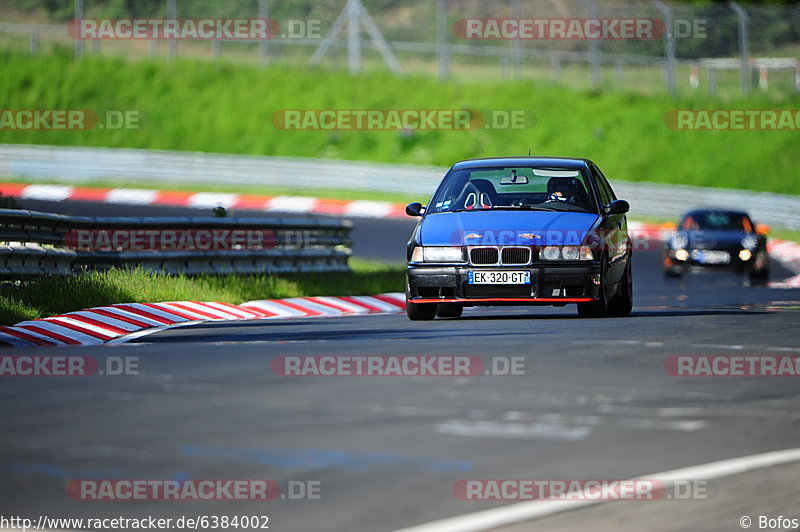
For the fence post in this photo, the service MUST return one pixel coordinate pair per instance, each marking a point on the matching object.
(694, 75)
(78, 40)
(516, 44)
(263, 46)
(35, 41)
(441, 38)
(172, 14)
(744, 52)
(216, 49)
(669, 46)
(594, 48)
(619, 69)
(555, 67)
(797, 77)
(712, 80)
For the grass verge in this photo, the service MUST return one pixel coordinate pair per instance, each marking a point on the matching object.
(55, 295)
(224, 107)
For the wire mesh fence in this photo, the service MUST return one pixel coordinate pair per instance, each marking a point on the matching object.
(716, 47)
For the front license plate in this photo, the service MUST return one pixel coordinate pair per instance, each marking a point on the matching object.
(489, 277)
(713, 257)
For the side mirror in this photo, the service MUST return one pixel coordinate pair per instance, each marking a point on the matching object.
(619, 206)
(762, 229)
(415, 209)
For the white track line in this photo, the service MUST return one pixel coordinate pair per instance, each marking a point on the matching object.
(530, 510)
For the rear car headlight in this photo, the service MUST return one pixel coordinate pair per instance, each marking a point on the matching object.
(437, 254)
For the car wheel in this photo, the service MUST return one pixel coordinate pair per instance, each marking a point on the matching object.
(449, 310)
(622, 303)
(599, 307)
(420, 311)
(759, 276)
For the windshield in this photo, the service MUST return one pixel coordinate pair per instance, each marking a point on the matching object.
(513, 187)
(718, 221)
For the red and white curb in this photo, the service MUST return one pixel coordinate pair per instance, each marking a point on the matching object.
(788, 253)
(207, 200)
(99, 325)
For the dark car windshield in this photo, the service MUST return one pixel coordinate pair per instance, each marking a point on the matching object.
(717, 221)
(514, 187)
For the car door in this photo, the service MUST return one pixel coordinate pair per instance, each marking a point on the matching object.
(614, 229)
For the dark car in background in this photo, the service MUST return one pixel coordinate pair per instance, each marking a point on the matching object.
(520, 231)
(717, 239)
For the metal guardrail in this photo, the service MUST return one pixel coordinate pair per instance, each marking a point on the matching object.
(37, 243)
(73, 165)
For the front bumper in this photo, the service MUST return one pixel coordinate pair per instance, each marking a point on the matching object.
(735, 264)
(551, 284)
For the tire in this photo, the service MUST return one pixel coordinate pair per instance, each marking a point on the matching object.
(449, 310)
(672, 273)
(420, 311)
(599, 307)
(759, 277)
(622, 302)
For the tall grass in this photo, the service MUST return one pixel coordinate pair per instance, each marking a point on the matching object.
(221, 107)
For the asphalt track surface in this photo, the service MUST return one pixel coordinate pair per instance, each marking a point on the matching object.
(596, 402)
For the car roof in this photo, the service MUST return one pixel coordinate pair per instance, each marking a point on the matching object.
(695, 212)
(562, 162)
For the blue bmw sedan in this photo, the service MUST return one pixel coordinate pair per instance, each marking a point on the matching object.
(520, 231)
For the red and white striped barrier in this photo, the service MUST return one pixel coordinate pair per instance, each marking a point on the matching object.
(102, 324)
(788, 253)
(207, 200)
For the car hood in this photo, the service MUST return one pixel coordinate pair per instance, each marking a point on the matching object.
(474, 228)
(706, 239)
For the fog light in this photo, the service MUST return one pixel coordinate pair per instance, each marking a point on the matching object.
(745, 255)
(682, 255)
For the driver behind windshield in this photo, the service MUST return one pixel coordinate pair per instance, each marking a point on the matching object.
(565, 189)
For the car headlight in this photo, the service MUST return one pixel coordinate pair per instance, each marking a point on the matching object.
(551, 253)
(750, 242)
(745, 255)
(567, 253)
(570, 252)
(682, 255)
(437, 254)
(679, 241)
